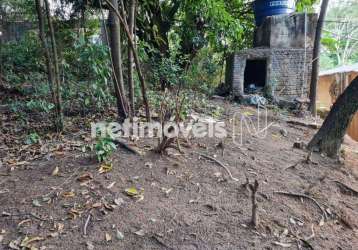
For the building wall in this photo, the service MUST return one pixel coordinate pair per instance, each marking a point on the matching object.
(324, 98)
(329, 88)
(288, 71)
(296, 30)
(14, 31)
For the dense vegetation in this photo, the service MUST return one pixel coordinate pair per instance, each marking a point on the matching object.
(340, 40)
(180, 44)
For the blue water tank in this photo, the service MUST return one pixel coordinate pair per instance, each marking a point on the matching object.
(265, 8)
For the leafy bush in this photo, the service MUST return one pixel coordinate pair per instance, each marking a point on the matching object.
(88, 71)
(22, 60)
(205, 71)
(104, 148)
(32, 138)
(36, 105)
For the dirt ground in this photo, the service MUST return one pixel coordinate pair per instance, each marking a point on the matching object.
(186, 201)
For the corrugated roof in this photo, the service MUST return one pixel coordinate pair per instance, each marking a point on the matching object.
(341, 69)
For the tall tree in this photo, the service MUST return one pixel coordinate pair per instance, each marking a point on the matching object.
(131, 26)
(51, 60)
(329, 138)
(40, 16)
(116, 53)
(316, 53)
(132, 46)
(56, 70)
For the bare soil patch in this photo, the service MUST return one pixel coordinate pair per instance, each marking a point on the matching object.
(186, 201)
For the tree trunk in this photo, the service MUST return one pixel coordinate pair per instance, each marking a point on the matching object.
(45, 48)
(131, 26)
(48, 59)
(56, 76)
(316, 52)
(329, 138)
(143, 87)
(116, 53)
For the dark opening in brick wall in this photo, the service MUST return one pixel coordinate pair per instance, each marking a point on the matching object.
(255, 75)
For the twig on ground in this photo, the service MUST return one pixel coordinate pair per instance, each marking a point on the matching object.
(127, 147)
(304, 124)
(220, 164)
(254, 189)
(86, 225)
(27, 214)
(306, 197)
(346, 188)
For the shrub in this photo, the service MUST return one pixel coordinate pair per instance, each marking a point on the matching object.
(104, 148)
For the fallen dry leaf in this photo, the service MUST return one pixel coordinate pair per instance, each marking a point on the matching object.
(74, 213)
(111, 185)
(118, 201)
(36, 203)
(85, 177)
(97, 205)
(105, 168)
(89, 245)
(55, 171)
(68, 194)
(15, 244)
(27, 241)
(119, 235)
(131, 191)
(60, 227)
(281, 244)
(108, 237)
(140, 232)
(23, 222)
(54, 235)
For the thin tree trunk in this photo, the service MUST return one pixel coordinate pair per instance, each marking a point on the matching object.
(48, 60)
(329, 138)
(316, 53)
(116, 53)
(114, 10)
(56, 69)
(56, 76)
(45, 49)
(131, 26)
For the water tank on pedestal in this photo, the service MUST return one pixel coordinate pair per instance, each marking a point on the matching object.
(265, 8)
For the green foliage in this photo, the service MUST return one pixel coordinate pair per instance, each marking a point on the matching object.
(220, 23)
(22, 60)
(32, 138)
(205, 71)
(15, 8)
(169, 70)
(88, 72)
(38, 105)
(340, 46)
(104, 148)
(305, 5)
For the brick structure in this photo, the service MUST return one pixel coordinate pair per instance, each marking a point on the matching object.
(280, 65)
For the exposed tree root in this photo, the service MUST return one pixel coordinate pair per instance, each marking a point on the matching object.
(220, 164)
(306, 197)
